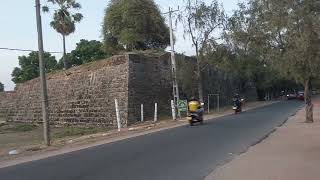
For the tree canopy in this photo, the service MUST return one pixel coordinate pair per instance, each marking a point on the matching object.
(283, 35)
(86, 51)
(29, 67)
(134, 25)
(244, 52)
(292, 36)
(64, 19)
(1, 87)
(200, 21)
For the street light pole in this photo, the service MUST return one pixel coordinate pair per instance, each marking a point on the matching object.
(43, 83)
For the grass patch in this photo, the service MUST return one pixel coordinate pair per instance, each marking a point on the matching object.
(23, 128)
(76, 131)
(17, 127)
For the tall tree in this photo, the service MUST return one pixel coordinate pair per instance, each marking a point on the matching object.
(29, 67)
(133, 25)
(64, 20)
(243, 52)
(200, 22)
(293, 36)
(85, 52)
(1, 87)
(244, 38)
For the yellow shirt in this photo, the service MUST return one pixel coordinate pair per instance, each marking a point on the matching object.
(193, 106)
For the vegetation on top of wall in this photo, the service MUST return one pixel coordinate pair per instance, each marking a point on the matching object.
(86, 51)
(130, 25)
(29, 67)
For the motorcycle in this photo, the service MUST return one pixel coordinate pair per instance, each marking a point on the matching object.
(237, 106)
(194, 117)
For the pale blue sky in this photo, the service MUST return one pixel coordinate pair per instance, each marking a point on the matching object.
(18, 30)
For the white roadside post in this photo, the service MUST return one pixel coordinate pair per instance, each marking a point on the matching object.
(173, 109)
(155, 112)
(142, 118)
(118, 114)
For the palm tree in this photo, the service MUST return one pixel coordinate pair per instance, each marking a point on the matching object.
(64, 20)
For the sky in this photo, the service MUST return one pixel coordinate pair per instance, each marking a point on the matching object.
(18, 30)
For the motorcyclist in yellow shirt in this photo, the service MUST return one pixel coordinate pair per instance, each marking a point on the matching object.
(195, 106)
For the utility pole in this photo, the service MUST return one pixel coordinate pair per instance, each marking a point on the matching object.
(43, 83)
(175, 87)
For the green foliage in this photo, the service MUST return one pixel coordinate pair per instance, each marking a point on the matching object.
(134, 25)
(24, 128)
(200, 22)
(86, 51)
(186, 76)
(292, 36)
(244, 53)
(29, 67)
(63, 18)
(17, 127)
(1, 87)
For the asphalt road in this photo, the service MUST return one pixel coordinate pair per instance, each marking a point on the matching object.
(183, 153)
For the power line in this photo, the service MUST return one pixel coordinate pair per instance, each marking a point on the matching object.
(26, 50)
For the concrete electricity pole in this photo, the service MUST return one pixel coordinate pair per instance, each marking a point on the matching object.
(43, 83)
(173, 62)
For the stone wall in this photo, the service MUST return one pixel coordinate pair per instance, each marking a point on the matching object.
(84, 95)
(80, 95)
(149, 83)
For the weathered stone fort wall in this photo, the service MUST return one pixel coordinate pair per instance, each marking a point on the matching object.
(80, 95)
(149, 83)
(85, 95)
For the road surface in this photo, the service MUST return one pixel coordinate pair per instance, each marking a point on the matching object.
(183, 153)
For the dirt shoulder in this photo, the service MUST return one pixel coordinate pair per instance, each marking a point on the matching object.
(29, 147)
(292, 152)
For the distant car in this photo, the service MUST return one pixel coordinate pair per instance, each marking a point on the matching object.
(300, 95)
(291, 96)
(314, 92)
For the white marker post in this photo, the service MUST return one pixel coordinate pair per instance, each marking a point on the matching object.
(173, 108)
(155, 112)
(142, 118)
(118, 114)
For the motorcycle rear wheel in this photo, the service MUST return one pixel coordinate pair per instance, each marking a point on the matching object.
(191, 123)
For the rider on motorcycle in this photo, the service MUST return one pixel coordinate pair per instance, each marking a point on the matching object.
(194, 106)
(237, 101)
